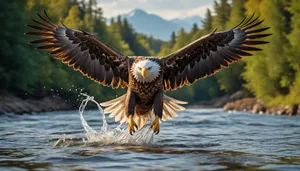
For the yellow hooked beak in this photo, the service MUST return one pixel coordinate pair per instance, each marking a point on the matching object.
(144, 72)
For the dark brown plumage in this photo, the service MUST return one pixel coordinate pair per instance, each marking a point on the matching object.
(82, 51)
(144, 98)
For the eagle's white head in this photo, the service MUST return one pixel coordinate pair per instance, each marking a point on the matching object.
(145, 70)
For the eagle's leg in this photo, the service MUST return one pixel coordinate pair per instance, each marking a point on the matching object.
(132, 126)
(155, 125)
(158, 110)
(130, 100)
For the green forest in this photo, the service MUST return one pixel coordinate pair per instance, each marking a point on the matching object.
(272, 75)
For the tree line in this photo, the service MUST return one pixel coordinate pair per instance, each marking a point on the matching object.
(272, 75)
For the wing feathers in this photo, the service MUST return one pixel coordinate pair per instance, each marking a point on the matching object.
(44, 41)
(42, 24)
(258, 30)
(251, 26)
(255, 42)
(48, 22)
(82, 51)
(41, 34)
(257, 36)
(210, 53)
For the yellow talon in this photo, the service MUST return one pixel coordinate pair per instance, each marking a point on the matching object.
(155, 125)
(131, 125)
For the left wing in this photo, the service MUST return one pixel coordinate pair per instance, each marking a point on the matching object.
(210, 53)
(82, 51)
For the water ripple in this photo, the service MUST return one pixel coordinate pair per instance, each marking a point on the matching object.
(206, 139)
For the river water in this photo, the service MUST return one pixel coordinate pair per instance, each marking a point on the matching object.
(199, 139)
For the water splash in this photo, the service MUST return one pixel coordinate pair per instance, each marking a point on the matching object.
(108, 136)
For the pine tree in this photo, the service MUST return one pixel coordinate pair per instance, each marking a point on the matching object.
(293, 52)
(91, 4)
(207, 23)
(230, 78)
(100, 25)
(194, 28)
(173, 40)
(73, 19)
(237, 13)
(182, 40)
(222, 10)
(88, 22)
(252, 6)
(59, 8)
(112, 21)
(119, 23)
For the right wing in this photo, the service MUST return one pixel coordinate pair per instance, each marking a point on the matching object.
(212, 52)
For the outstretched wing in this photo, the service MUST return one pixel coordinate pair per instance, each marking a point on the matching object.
(210, 53)
(82, 51)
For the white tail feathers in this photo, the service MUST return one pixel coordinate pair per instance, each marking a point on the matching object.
(116, 108)
(171, 105)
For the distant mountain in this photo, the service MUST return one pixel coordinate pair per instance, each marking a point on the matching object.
(187, 23)
(151, 24)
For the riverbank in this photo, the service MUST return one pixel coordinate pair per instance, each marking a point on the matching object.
(217, 102)
(254, 105)
(12, 104)
(237, 102)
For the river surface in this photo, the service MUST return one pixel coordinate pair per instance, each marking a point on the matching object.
(199, 139)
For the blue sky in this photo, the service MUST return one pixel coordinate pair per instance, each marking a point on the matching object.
(168, 9)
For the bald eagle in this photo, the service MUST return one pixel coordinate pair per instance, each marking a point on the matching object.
(146, 78)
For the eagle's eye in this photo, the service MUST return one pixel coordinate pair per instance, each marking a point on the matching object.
(149, 68)
(139, 68)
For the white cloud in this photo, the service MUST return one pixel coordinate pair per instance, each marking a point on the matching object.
(171, 14)
(167, 9)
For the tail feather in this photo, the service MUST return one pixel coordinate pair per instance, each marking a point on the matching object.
(124, 119)
(171, 106)
(166, 113)
(116, 108)
(113, 107)
(120, 116)
(176, 106)
(111, 102)
(167, 98)
(171, 111)
(141, 120)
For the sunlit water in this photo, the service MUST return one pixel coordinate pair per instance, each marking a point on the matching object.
(199, 139)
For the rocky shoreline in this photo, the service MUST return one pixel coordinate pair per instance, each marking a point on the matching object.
(237, 102)
(13, 104)
(254, 105)
(217, 102)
